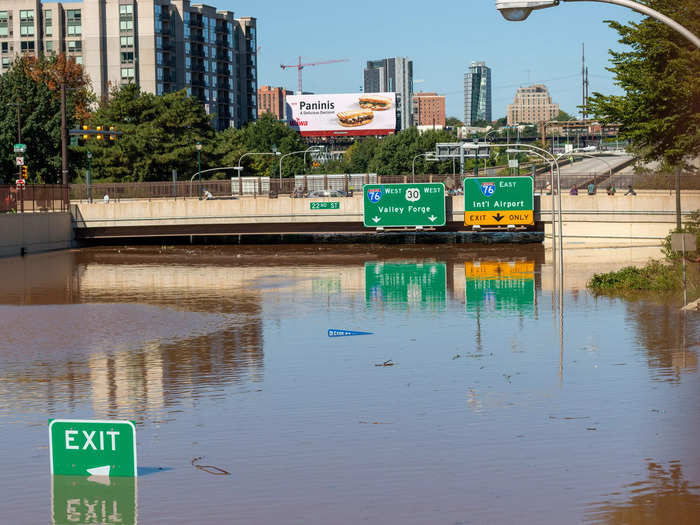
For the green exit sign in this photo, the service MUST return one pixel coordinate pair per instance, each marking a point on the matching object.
(77, 500)
(80, 447)
(404, 205)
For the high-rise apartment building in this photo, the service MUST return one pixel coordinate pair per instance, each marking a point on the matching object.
(428, 109)
(531, 105)
(272, 100)
(162, 45)
(393, 75)
(477, 94)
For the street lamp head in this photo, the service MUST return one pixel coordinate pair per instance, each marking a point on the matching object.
(199, 146)
(519, 10)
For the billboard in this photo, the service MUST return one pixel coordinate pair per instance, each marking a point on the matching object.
(344, 114)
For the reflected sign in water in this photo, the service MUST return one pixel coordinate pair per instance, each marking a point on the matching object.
(421, 284)
(500, 285)
(77, 499)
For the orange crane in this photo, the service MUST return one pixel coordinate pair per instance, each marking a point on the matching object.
(299, 66)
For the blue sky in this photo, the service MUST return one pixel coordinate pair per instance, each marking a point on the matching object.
(442, 38)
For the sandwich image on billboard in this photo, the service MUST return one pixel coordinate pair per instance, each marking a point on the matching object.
(342, 114)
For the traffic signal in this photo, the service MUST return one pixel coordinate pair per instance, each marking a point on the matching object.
(85, 135)
(24, 171)
(112, 136)
(99, 135)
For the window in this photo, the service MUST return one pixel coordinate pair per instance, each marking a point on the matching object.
(75, 46)
(159, 88)
(126, 41)
(128, 9)
(126, 25)
(73, 21)
(4, 47)
(49, 46)
(27, 47)
(78, 60)
(127, 56)
(26, 22)
(159, 58)
(5, 62)
(48, 23)
(127, 73)
(188, 78)
(187, 48)
(159, 41)
(4, 24)
(187, 62)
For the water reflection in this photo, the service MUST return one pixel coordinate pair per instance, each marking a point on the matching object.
(500, 286)
(406, 284)
(665, 496)
(668, 337)
(102, 500)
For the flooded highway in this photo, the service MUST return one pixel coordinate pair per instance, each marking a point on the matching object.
(464, 404)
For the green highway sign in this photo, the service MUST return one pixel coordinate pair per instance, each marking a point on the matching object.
(20, 148)
(402, 284)
(326, 205)
(419, 204)
(79, 447)
(494, 201)
(76, 499)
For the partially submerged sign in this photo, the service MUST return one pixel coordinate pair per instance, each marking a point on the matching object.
(419, 204)
(494, 201)
(80, 447)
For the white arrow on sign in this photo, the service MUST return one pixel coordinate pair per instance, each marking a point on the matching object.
(432, 218)
(376, 219)
(99, 471)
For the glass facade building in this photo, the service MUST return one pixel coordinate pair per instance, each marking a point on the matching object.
(477, 94)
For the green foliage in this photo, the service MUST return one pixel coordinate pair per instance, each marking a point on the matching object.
(453, 122)
(160, 134)
(563, 116)
(40, 121)
(660, 110)
(656, 276)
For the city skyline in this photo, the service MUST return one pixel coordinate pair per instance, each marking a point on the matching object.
(542, 50)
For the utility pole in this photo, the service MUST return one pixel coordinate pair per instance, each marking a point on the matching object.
(64, 136)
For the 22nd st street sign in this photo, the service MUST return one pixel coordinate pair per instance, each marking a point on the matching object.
(420, 204)
(81, 447)
(492, 201)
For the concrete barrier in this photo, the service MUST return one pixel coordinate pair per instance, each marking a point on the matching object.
(34, 232)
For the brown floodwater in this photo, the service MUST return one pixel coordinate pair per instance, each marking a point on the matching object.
(471, 401)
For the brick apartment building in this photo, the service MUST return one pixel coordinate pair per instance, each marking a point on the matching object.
(272, 100)
(428, 109)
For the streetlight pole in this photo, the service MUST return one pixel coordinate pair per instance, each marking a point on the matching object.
(287, 155)
(19, 131)
(413, 163)
(64, 137)
(89, 176)
(199, 165)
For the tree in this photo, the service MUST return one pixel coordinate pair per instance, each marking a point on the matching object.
(159, 134)
(660, 110)
(453, 122)
(34, 84)
(563, 116)
(503, 121)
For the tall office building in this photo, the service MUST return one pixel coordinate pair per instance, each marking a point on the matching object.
(162, 45)
(393, 75)
(531, 105)
(272, 100)
(429, 109)
(477, 94)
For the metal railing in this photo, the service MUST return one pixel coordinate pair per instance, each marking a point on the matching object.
(272, 187)
(34, 198)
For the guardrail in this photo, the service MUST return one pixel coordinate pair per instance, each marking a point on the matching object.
(34, 198)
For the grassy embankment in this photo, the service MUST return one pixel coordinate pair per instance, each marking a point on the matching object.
(657, 275)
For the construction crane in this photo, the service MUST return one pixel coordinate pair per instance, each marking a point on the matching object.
(299, 66)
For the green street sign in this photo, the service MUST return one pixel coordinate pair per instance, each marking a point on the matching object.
(74, 141)
(332, 205)
(419, 204)
(76, 499)
(92, 448)
(402, 284)
(20, 148)
(494, 201)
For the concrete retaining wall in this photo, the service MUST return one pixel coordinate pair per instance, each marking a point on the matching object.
(35, 232)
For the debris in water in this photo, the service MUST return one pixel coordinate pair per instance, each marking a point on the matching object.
(210, 469)
(388, 362)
